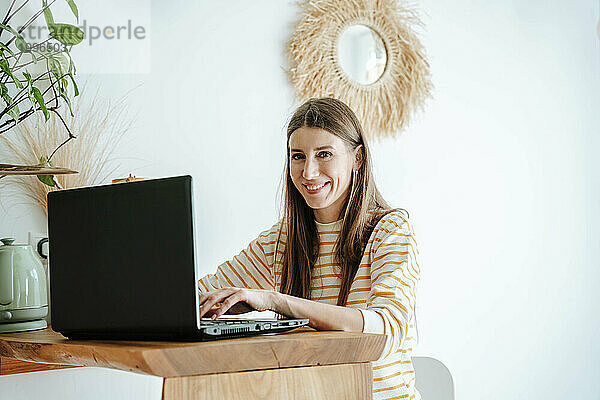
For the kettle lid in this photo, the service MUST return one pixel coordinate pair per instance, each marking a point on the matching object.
(7, 241)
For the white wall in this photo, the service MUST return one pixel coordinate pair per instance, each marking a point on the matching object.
(497, 173)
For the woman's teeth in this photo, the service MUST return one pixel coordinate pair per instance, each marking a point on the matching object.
(312, 188)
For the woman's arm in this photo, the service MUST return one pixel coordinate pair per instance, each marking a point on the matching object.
(322, 316)
(395, 273)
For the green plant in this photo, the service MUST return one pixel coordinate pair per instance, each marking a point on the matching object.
(34, 77)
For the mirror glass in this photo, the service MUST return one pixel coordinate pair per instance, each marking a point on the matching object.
(362, 54)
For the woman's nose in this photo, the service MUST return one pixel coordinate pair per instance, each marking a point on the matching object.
(311, 170)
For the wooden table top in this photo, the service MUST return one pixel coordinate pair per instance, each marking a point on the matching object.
(300, 347)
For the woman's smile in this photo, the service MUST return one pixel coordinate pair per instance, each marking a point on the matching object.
(315, 188)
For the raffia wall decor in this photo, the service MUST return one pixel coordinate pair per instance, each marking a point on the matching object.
(384, 107)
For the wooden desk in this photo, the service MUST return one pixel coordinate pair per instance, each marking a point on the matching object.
(302, 364)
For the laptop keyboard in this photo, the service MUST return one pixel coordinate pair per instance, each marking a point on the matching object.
(222, 321)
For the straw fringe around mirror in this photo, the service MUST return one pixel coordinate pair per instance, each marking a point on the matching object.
(384, 107)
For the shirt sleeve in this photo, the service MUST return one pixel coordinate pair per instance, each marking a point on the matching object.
(252, 268)
(373, 322)
(394, 275)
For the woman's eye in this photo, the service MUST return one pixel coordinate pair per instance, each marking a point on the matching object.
(324, 154)
(297, 156)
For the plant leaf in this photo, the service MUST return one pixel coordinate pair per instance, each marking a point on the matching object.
(19, 41)
(75, 88)
(54, 65)
(6, 68)
(55, 68)
(40, 100)
(63, 62)
(74, 9)
(14, 111)
(47, 14)
(65, 66)
(22, 44)
(48, 180)
(27, 76)
(64, 95)
(5, 48)
(9, 28)
(66, 34)
(71, 63)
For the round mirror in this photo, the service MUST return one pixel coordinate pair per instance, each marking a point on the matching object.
(361, 53)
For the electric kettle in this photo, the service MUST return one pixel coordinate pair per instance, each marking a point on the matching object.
(23, 296)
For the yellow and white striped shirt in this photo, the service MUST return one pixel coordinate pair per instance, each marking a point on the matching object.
(383, 290)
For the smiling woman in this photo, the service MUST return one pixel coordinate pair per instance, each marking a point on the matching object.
(319, 167)
(340, 256)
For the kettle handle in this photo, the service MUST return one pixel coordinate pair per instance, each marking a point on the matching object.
(39, 248)
(6, 277)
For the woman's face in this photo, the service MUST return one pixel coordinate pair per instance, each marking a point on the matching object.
(321, 167)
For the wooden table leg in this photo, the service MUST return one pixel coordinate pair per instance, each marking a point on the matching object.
(344, 381)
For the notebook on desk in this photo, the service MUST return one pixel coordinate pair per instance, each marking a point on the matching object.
(122, 265)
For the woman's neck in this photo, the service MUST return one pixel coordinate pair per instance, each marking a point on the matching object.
(326, 216)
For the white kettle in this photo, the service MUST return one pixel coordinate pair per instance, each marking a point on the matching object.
(23, 294)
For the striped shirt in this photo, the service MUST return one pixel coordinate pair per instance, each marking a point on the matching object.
(383, 290)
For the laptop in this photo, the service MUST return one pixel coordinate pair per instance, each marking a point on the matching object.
(122, 266)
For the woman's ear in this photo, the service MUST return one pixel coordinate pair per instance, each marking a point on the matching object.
(358, 157)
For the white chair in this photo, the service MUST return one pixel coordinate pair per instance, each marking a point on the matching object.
(433, 379)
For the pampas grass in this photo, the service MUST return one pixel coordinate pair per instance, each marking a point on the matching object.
(384, 107)
(98, 126)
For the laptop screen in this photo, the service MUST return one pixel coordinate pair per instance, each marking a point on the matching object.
(121, 257)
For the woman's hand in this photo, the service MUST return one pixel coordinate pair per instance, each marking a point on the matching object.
(234, 301)
(322, 316)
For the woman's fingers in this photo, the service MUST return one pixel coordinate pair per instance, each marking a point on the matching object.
(203, 296)
(208, 300)
(228, 303)
(233, 301)
(215, 294)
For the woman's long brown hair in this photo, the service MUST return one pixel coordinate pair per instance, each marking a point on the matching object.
(363, 208)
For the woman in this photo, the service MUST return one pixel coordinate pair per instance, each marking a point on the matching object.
(340, 256)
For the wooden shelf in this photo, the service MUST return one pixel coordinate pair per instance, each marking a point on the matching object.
(11, 169)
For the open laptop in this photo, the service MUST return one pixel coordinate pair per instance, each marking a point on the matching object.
(122, 265)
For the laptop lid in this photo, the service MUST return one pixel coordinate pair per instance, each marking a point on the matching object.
(122, 257)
